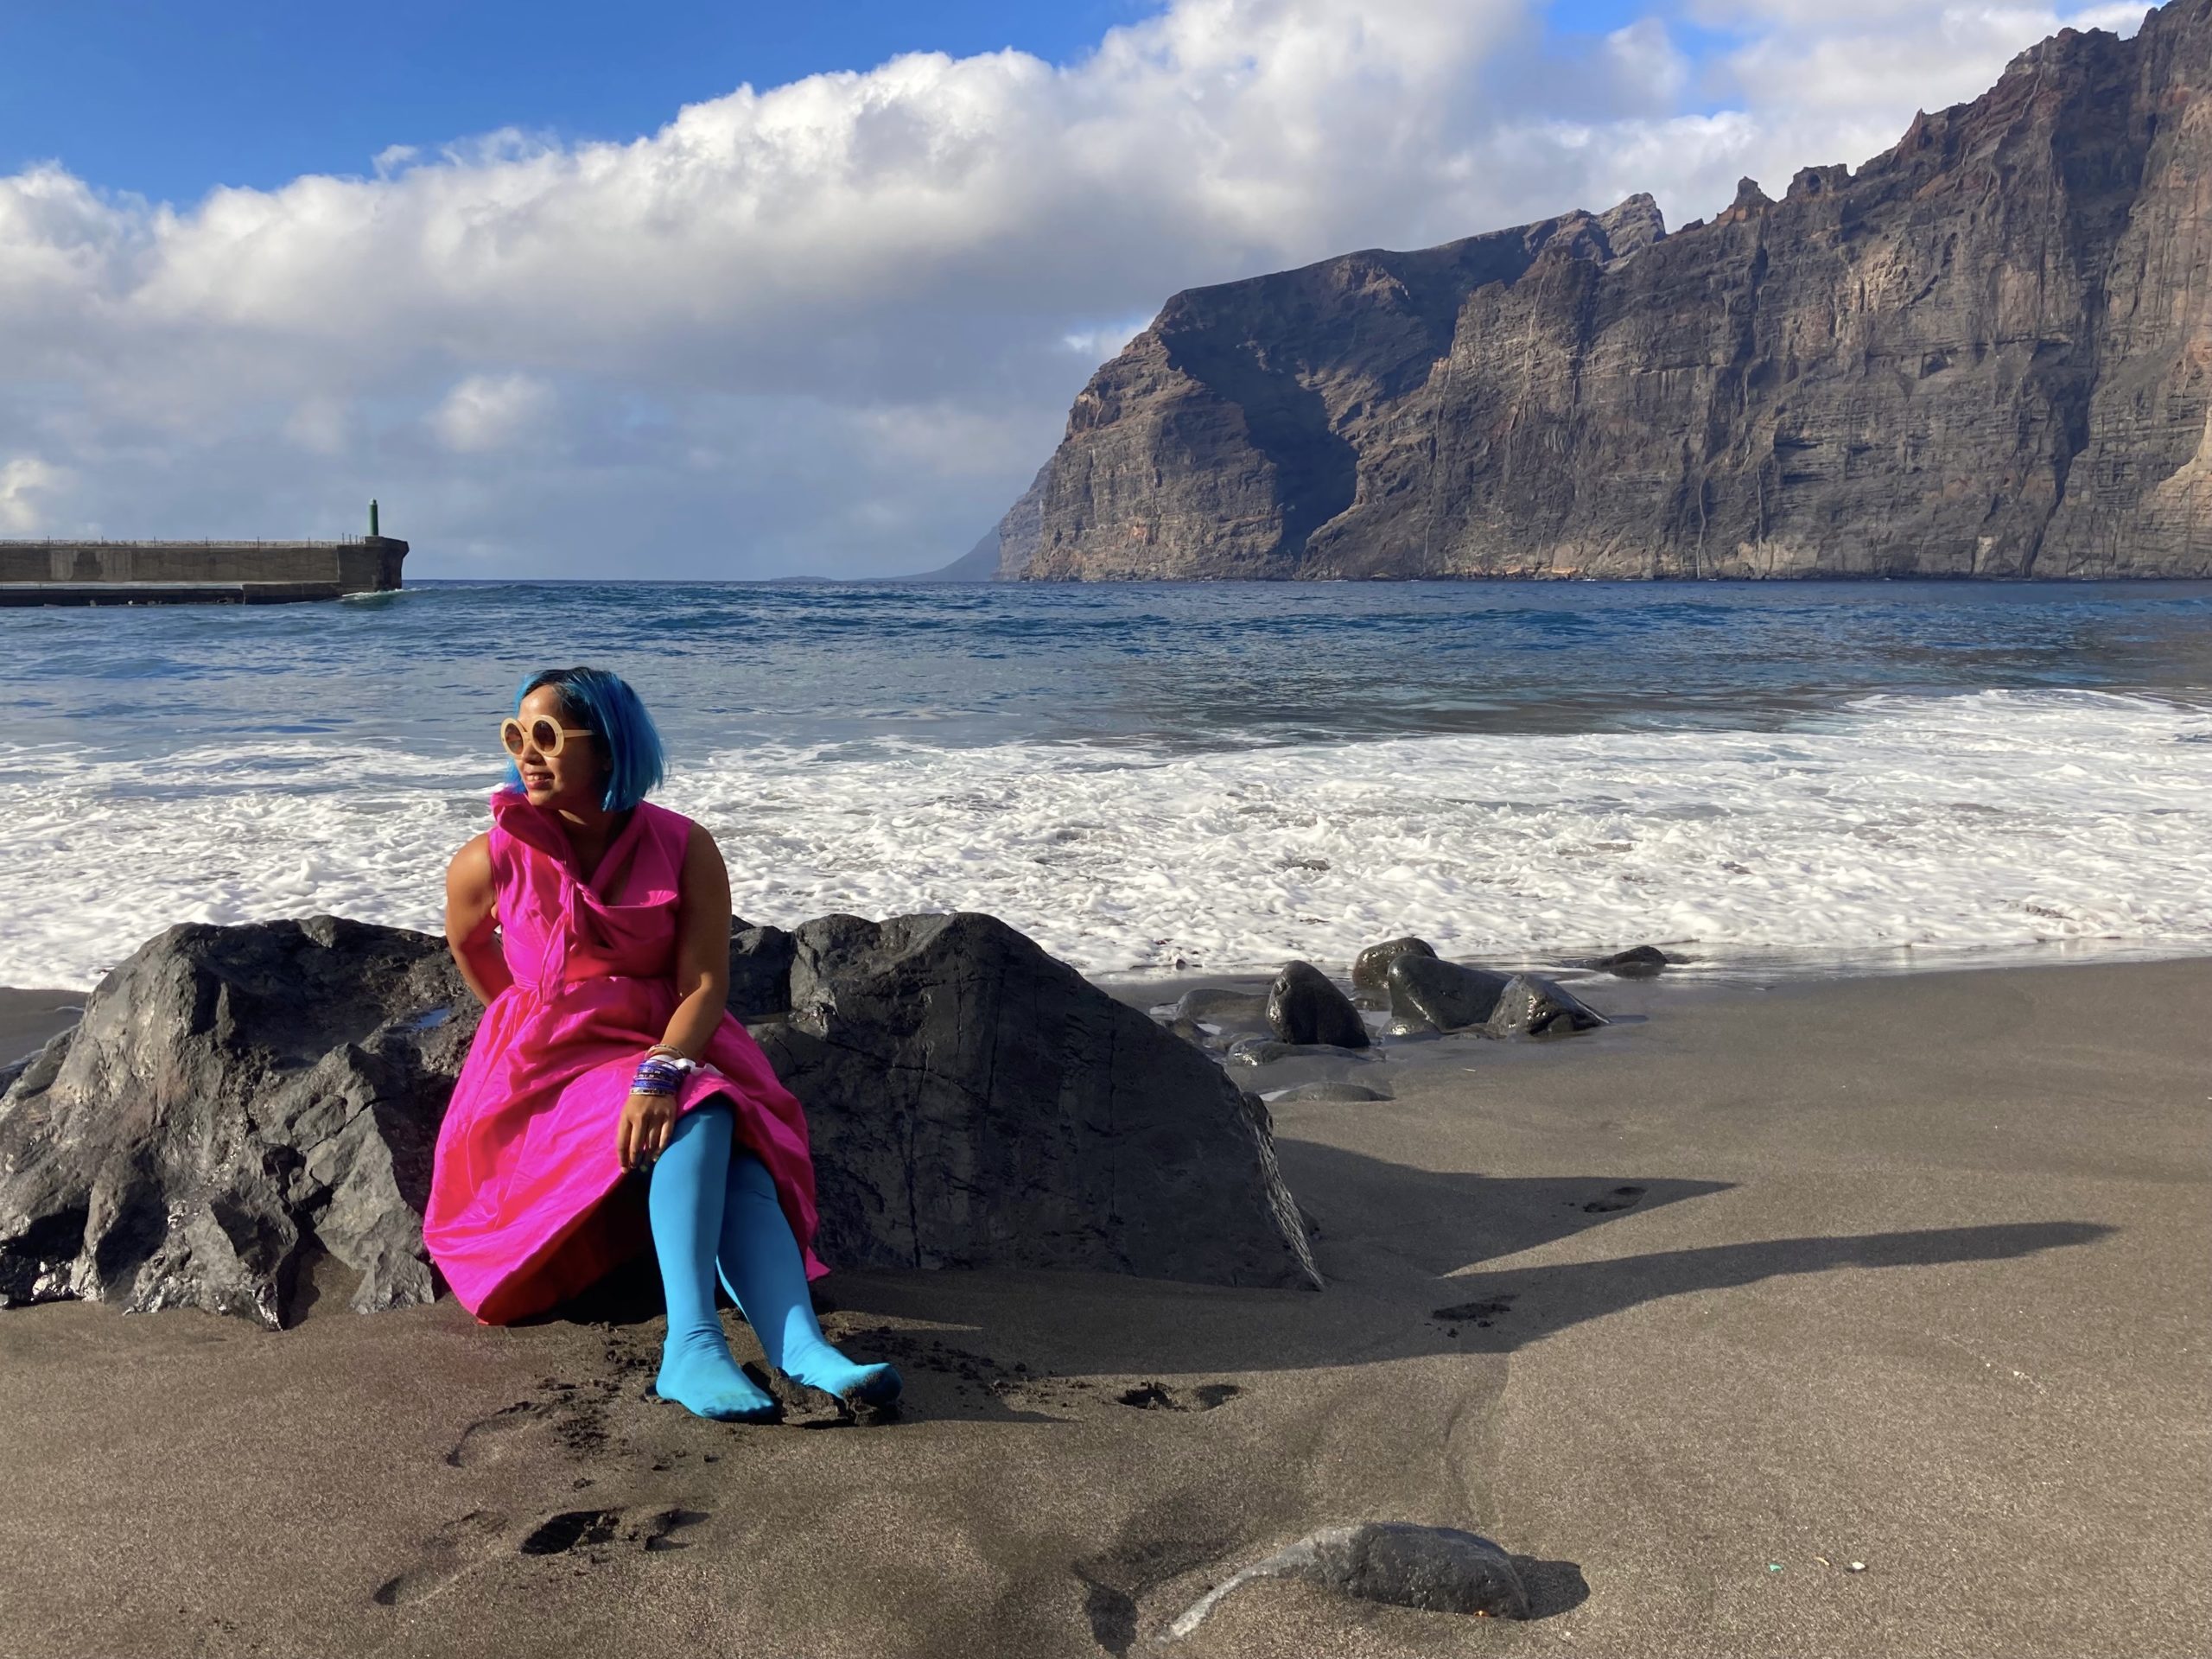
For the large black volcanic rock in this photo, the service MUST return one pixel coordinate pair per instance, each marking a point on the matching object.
(1982, 353)
(242, 1106)
(975, 1102)
(237, 1102)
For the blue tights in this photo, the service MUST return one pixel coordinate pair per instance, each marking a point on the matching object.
(712, 1208)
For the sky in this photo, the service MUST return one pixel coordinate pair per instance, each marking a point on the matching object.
(726, 291)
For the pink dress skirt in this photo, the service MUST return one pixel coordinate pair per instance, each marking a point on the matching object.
(528, 1203)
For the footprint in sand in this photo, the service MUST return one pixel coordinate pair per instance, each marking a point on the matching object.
(1153, 1396)
(445, 1555)
(489, 1439)
(1621, 1198)
(582, 1529)
(1478, 1313)
(563, 1532)
(657, 1531)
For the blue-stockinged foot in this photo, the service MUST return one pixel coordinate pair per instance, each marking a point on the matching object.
(869, 1387)
(698, 1372)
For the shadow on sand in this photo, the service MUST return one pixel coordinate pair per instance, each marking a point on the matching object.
(1396, 1234)
(1410, 1234)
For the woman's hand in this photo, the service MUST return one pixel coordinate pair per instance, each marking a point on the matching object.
(642, 1135)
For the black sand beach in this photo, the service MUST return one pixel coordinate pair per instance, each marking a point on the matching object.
(1694, 1313)
(29, 1018)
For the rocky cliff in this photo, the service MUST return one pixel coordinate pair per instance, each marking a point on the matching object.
(1987, 353)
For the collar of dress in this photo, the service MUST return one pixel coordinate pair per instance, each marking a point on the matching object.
(538, 830)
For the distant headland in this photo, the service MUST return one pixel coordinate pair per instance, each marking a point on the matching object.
(1987, 353)
(79, 572)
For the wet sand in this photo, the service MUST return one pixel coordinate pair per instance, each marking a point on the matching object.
(29, 1018)
(1692, 1312)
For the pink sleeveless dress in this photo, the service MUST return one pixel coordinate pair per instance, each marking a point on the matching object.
(528, 1203)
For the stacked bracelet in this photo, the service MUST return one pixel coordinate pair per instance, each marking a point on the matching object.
(660, 1073)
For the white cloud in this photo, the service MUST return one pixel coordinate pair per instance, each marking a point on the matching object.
(1097, 342)
(835, 325)
(22, 481)
(492, 411)
(1645, 64)
(1878, 54)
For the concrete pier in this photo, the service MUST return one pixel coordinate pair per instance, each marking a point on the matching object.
(195, 573)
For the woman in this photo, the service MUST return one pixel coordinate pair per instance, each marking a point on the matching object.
(594, 927)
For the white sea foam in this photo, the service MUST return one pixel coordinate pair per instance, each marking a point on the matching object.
(1996, 818)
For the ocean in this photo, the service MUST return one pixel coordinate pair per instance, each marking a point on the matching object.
(1150, 779)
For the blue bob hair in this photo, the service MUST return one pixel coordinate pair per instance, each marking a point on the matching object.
(637, 762)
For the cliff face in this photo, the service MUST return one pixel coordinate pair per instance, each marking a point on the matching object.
(1012, 541)
(1988, 352)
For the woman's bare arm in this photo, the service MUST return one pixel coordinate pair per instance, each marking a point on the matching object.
(702, 946)
(471, 893)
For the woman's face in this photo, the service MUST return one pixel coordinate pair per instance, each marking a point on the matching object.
(571, 780)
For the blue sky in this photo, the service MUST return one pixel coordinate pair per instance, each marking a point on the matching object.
(671, 328)
(170, 100)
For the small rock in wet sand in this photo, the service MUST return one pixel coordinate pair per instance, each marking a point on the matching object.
(1219, 1005)
(1534, 1006)
(1336, 1092)
(1641, 962)
(1265, 1050)
(1436, 1569)
(1190, 1031)
(1305, 1007)
(1371, 967)
(1427, 994)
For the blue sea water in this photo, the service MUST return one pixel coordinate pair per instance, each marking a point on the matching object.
(1218, 775)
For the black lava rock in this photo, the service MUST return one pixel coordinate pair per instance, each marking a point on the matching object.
(238, 1103)
(759, 971)
(1642, 961)
(1190, 1031)
(1304, 1006)
(1219, 1005)
(1427, 994)
(1535, 1006)
(1341, 1092)
(975, 1102)
(1370, 969)
(1266, 1050)
(1436, 1569)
